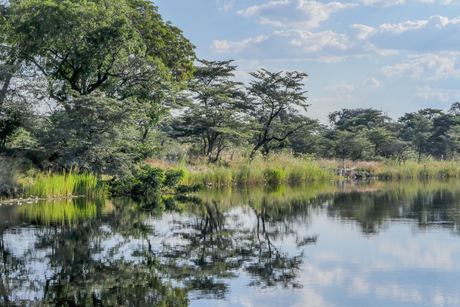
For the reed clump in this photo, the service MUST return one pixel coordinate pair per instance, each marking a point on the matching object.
(272, 169)
(416, 170)
(50, 184)
(285, 167)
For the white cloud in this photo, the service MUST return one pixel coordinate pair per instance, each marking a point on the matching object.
(426, 66)
(254, 10)
(382, 3)
(297, 44)
(436, 33)
(432, 36)
(436, 96)
(226, 46)
(403, 26)
(361, 31)
(341, 88)
(240, 74)
(372, 82)
(387, 3)
(359, 286)
(226, 5)
(299, 14)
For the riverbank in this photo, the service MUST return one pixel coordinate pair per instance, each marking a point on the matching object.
(286, 168)
(17, 181)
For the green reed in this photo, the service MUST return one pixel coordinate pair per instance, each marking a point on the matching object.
(272, 169)
(64, 184)
(413, 170)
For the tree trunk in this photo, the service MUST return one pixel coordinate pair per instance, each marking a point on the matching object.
(251, 157)
(420, 154)
(6, 85)
(9, 74)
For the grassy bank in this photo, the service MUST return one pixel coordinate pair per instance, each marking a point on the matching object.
(411, 169)
(18, 179)
(286, 168)
(274, 169)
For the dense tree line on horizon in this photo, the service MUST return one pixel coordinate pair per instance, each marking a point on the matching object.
(91, 84)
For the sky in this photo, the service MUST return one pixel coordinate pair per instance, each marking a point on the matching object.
(398, 56)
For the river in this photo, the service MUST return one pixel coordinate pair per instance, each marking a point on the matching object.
(378, 243)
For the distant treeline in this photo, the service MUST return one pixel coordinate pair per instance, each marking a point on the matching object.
(92, 85)
(263, 117)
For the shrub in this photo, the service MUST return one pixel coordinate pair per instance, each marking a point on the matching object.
(147, 180)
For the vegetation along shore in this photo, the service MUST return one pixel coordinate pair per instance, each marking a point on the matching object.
(111, 100)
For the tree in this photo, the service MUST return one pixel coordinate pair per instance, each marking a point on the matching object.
(270, 97)
(118, 46)
(114, 49)
(306, 140)
(93, 133)
(451, 139)
(349, 144)
(379, 137)
(358, 118)
(418, 129)
(214, 117)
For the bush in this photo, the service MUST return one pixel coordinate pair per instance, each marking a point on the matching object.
(147, 180)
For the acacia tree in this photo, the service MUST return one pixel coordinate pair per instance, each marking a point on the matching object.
(215, 115)
(109, 49)
(271, 96)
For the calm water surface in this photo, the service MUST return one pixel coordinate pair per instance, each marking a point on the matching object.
(323, 244)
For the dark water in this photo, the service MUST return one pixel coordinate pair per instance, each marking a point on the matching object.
(322, 244)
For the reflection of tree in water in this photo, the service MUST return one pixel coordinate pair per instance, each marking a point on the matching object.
(216, 245)
(374, 210)
(436, 209)
(109, 259)
(83, 268)
(119, 259)
(369, 210)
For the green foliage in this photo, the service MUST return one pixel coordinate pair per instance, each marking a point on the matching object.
(349, 119)
(349, 145)
(108, 70)
(92, 133)
(214, 118)
(273, 99)
(115, 45)
(173, 177)
(417, 130)
(147, 180)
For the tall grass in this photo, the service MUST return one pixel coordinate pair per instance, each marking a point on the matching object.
(273, 169)
(70, 183)
(287, 168)
(415, 170)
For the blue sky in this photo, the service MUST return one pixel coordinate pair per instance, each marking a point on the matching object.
(393, 55)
